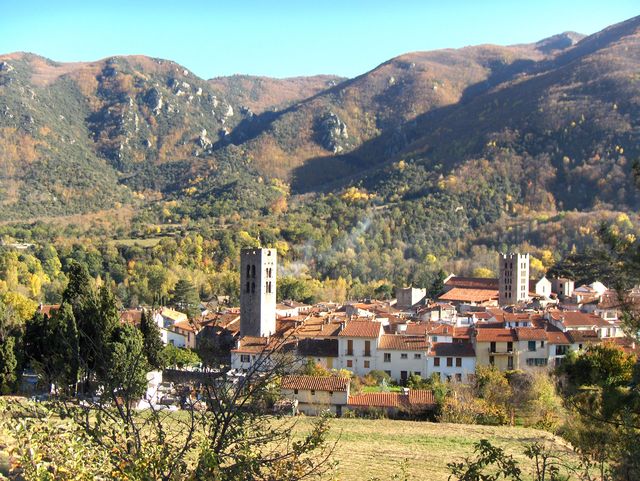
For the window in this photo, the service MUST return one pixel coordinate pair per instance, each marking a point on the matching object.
(269, 287)
(458, 377)
(493, 347)
(367, 348)
(541, 343)
(417, 356)
(561, 350)
(244, 358)
(403, 355)
(510, 362)
(247, 287)
(449, 362)
(458, 362)
(248, 271)
(295, 391)
(387, 357)
(403, 376)
(350, 347)
(436, 361)
(349, 363)
(366, 364)
(253, 271)
(492, 360)
(418, 373)
(532, 345)
(313, 393)
(253, 287)
(538, 361)
(434, 338)
(509, 346)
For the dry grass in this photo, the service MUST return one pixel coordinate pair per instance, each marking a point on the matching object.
(376, 448)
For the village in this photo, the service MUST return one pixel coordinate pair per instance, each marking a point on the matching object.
(512, 323)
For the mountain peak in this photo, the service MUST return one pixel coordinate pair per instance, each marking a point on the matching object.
(558, 42)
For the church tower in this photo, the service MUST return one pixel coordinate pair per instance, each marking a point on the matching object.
(513, 284)
(258, 292)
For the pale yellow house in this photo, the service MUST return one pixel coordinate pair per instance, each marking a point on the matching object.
(316, 394)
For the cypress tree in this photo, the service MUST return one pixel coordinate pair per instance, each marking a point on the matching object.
(152, 340)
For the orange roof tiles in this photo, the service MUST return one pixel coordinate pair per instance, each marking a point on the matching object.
(418, 398)
(397, 342)
(432, 328)
(578, 319)
(531, 334)
(361, 329)
(469, 295)
(316, 383)
(556, 336)
(495, 335)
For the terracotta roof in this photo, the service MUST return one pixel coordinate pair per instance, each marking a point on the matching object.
(431, 328)
(361, 329)
(131, 316)
(577, 336)
(184, 325)
(462, 332)
(173, 314)
(398, 342)
(473, 282)
(531, 334)
(453, 349)
(315, 383)
(556, 336)
(495, 335)
(48, 309)
(578, 319)
(418, 398)
(469, 295)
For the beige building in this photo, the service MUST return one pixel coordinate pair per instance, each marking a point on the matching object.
(316, 394)
(513, 282)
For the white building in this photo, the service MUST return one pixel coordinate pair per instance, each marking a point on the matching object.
(454, 361)
(258, 292)
(358, 346)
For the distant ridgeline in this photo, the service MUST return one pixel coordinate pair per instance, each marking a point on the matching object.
(429, 154)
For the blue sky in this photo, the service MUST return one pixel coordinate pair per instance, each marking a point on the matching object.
(287, 38)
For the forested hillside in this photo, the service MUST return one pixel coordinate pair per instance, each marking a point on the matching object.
(431, 162)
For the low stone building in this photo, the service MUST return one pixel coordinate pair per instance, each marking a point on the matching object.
(316, 394)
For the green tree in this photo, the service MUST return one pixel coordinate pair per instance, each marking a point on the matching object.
(8, 364)
(127, 366)
(178, 356)
(152, 340)
(185, 298)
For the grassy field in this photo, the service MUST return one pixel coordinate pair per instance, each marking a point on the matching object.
(376, 448)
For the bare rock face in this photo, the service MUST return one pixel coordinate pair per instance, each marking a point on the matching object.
(153, 99)
(204, 141)
(332, 133)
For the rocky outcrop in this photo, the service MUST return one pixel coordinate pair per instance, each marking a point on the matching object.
(331, 133)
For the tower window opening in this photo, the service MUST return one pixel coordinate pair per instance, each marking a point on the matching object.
(253, 287)
(253, 271)
(247, 287)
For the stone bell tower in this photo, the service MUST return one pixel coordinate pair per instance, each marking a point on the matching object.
(258, 292)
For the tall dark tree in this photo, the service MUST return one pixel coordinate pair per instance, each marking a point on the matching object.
(127, 366)
(185, 298)
(96, 316)
(152, 340)
(8, 364)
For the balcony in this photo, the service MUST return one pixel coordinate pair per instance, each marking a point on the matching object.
(500, 352)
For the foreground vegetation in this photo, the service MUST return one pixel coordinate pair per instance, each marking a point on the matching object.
(370, 448)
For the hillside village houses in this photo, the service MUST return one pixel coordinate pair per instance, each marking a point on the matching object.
(510, 322)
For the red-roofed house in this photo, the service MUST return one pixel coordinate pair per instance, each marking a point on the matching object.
(316, 394)
(409, 402)
(358, 346)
